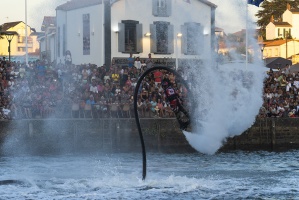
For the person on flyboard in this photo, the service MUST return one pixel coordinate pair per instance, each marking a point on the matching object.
(176, 104)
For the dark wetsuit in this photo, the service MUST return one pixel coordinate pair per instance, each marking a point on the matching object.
(177, 107)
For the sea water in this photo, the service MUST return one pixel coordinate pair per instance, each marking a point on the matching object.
(236, 175)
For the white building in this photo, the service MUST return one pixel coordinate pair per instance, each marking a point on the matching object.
(96, 31)
(47, 40)
(288, 27)
(282, 37)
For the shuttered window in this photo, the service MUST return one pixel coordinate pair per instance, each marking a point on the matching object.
(192, 38)
(64, 39)
(161, 8)
(162, 38)
(58, 41)
(130, 37)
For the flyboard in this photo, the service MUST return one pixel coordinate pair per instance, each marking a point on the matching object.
(182, 114)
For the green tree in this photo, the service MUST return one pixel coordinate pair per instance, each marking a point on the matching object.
(273, 8)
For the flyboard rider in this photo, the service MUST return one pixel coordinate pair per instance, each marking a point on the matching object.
(176, 104)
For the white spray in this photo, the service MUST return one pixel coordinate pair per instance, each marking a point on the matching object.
(228, 99)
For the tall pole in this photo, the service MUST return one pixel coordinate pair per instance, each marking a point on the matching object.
(9, 50)
(103, 33)
(26, 33)
(176, 54)
(246, 35)
(286, 45)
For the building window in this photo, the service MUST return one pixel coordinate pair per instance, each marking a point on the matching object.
(161, 8)
(270, 52)
(21, 49)
(279, 32)
(192, 38)
(86, 34)
(162, 38)
(21, 39)
(284, 33)
(64, 39)
(58, 41)
(130, 37)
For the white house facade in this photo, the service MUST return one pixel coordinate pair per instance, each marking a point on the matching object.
(98, 32)
(288, 27)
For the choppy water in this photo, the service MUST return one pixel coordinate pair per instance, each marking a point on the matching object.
(239, 175)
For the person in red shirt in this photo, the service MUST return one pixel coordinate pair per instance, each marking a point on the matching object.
(158, 77)
(176, 105)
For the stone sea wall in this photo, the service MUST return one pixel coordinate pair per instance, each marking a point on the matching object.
(121, 135)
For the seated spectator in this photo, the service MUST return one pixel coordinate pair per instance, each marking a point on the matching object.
(93, 87)
(153, 107)
(148, 106)
(273, 110)
(115, 76)
(141, 107)
(107, 77)
(144, 94)
(101, 87)
(161, 111)
(129, 82)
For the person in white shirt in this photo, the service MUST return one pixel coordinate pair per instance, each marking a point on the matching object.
(296, 82)
(93, 87)
(137, 63)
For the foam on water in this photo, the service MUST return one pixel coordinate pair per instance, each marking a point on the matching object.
(118, 176)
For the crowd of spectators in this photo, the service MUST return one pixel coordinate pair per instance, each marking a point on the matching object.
(281, 94)
(43, 90)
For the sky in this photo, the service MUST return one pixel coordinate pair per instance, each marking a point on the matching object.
(230, 14)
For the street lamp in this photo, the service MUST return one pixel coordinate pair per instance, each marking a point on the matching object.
(9, 36)
(262, 46)
(287, 35)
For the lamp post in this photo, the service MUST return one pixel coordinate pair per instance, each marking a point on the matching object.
(262, 46)
(9, 36)
(26, 34)
(262, 50)
(287, 35)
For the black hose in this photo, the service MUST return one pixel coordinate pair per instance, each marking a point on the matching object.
(136, 111)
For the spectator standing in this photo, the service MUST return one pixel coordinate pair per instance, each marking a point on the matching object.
(143, 66)
(137, 63)
(131, 61)
(124, 77)
(149, 61)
